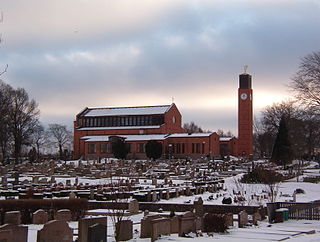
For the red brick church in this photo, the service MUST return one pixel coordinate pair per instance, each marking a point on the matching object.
(94, 126)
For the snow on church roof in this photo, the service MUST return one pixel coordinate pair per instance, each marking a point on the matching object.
(99, 138)
(117, 111)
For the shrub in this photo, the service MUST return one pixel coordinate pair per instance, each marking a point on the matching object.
(312, 179)
(299, 191)
(215, 223)
(227, 200)
(261, 175)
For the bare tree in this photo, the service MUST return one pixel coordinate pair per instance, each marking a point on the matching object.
(5, 135)
(60, 135)
(38, 138)
(192, 128)
(306, 82)
(23, 115)
(222, 133)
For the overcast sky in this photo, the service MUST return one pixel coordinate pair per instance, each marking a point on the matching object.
(70, 54)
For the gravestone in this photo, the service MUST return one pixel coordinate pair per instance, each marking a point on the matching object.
(40, 217)
(146, 225)
(17, 233)
(97, 233)
(198, 206)
(85, 223)
(187, 223)
(133, 206)
(55, 231)
(149, 196)
(4, 180)
(167, 194)
(124, 230)
(16, 178)
(154, 196)
(159, 226)
(154, 181)
(35, 179)
(91, 194)
(6, 236)
(72, 195)
(63, 214)
(12, 217)
(242, 219)
(188, 191)
(174, 225)
(229, 219)
(255, 218)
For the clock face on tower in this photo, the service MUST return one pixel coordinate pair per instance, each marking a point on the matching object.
(243, 96)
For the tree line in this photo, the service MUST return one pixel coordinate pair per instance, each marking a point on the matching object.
(20, 126)
(291, 129)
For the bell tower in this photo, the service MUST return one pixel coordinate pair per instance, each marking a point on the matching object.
(245, 115)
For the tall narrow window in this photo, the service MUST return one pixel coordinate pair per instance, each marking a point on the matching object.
(103, 148)
(91, 148)
(197, 148)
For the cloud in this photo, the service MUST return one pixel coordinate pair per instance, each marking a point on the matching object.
(77, 53)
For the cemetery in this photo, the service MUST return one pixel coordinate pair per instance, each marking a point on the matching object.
(121, 200)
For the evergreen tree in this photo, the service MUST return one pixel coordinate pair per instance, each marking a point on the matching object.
(282, 153)
(153, 149)
(119, 148)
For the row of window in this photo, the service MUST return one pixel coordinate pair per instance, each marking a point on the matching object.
(115, 121)
(106, 148)
(180, 148)
(177, 148)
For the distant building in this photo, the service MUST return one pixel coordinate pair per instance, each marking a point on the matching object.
(94, 126)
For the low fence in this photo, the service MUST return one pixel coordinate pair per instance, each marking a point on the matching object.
(28, 206)
(178, 207)
(297, 210)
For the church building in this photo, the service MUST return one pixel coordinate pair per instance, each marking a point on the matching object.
(95, 127)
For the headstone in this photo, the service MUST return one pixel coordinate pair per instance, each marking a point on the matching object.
(12, 217)
(4, 180)
(35, 179)
(160, 226)
(188, 191)
(187, 223)
(174, 225)
(92, 194)
(154, 181)
(17, 233)
(242, 219)
(63, 214)
(199, 223)
(40, 217)
(149, 196)
(6, 236)
(133, 206)
(146, 225)
(97, 233)
(255, 218)
(198, 206)
(154, 196)
(55, 231)
(72, 195)
(124, 230)
(16, 178)
(229, 219)
(85, 223)
(167, 194)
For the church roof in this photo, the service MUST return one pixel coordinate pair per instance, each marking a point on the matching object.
(119, 111)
